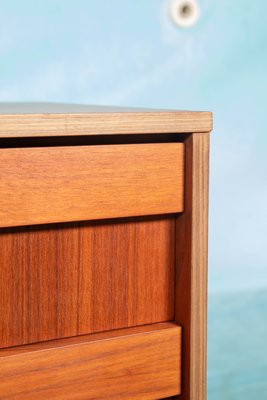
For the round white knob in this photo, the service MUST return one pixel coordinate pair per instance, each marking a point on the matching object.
(184, 13)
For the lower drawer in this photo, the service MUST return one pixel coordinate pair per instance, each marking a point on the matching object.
(135, 363)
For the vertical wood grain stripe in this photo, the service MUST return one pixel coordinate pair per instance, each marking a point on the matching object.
(71, 279)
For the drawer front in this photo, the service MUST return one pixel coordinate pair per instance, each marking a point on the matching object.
(137, 363)
(59, 184)
(73, 279)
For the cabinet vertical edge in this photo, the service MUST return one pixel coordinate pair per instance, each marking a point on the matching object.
(191, 267)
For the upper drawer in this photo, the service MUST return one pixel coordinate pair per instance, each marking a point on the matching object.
(58, 184)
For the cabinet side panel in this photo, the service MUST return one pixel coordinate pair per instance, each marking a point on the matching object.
(191, 267)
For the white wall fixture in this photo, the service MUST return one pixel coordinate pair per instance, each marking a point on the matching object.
(184, 13)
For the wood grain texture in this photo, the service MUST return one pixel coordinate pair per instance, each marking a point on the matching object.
(29, 120)
(72, 279)
(191, 267)
(138, 363)
(58, 184)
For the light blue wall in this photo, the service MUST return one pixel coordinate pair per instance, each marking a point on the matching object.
(129, 52)
(124, 52)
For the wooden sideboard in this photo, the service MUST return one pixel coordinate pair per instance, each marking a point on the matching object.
(103, 252)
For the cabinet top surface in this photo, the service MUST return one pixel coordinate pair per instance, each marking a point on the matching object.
(54, 119)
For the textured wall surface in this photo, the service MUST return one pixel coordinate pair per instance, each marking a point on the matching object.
(125, 52)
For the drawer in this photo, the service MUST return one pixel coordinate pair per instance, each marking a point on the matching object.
(137, 363)
(69, 279)
(75, 183)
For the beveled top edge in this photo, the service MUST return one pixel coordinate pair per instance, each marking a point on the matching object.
(55, 119)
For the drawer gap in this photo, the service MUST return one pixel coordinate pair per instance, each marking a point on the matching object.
(91, 140)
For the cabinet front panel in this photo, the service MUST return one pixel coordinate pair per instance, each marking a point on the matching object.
(64, 280)
(76, 183)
